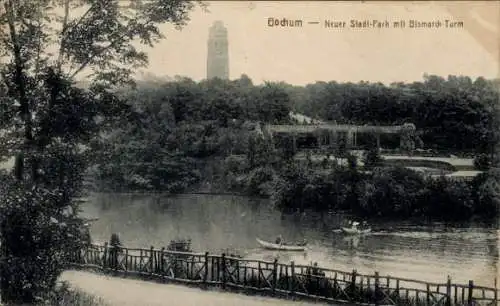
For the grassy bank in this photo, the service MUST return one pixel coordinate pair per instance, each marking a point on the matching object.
(76, 297)
(66, 295)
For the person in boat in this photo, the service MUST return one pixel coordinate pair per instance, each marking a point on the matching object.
(279, 239)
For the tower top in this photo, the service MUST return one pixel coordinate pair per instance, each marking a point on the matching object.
(218, 30)
(217, 57)
(218, 24)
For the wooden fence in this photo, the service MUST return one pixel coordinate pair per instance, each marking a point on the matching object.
(279, 279)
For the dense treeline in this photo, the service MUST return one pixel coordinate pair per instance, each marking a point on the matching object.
(453, 114)
(182, 128)
(187, 135)
(387, 192)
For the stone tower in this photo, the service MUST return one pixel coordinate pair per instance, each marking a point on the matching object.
(217, 57)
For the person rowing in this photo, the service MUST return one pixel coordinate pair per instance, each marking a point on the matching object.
(279, 240)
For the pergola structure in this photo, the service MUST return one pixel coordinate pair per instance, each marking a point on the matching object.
(330, 133)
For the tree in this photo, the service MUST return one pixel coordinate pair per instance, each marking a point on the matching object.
(455, 113)
(372, 158)
(352, 162)
(482, 162)
(274, 103)
(341, 148)
(487, 191)
(407, 143)
(47, 122)
(288, 147)
(260, 151)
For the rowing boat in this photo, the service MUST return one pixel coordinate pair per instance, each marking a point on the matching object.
(355, 231)
(281, 247)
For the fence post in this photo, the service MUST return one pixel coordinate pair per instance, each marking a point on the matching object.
(471, 288)
(114, 258)
(162, 263)
(141, 263)
(258, 275)
(496, 291)
(428, 294)
(105, 256)
(205, 274)
(78, 254)
(151, 260)
(126, 261)
(238, 279)
(353, 280)
(292, 277)
(223, 271)
(377, 287)
(213, 275)
(275, 274)
(448, 292)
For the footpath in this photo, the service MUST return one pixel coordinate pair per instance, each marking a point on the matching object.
(120, 291)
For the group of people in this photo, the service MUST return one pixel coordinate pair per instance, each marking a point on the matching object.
(279, 240)
(354, 224)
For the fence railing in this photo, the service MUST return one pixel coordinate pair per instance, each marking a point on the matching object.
(273, 277)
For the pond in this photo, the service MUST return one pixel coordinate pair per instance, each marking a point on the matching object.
(222, 223)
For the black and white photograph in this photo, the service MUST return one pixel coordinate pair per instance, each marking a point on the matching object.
(177, 152)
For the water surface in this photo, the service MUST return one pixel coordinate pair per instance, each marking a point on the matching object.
(231, 223)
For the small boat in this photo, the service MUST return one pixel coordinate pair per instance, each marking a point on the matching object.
(355, 230)
(281, 247)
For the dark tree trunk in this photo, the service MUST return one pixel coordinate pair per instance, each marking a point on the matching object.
(10, 289)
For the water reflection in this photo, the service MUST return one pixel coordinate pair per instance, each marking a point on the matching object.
(231, 224)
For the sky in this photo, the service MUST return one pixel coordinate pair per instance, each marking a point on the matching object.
(314, 53)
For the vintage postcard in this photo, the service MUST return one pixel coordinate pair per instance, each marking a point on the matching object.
(162, 152)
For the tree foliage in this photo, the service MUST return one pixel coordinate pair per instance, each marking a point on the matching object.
(48, 123)
(387, 192)
(182, 126)
(220, 122)
(483, 162)
(372, 158)
(452, 114)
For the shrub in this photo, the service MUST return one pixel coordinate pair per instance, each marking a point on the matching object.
(64, 295)
(388, 192)
(258, 181)
(482, 162)
(371, 158)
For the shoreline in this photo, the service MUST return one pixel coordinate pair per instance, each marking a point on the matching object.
(417, 219)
